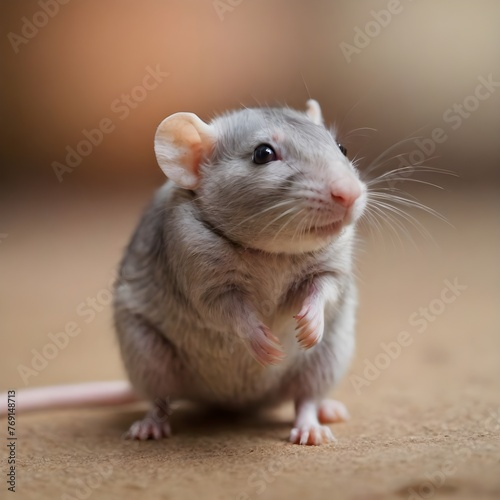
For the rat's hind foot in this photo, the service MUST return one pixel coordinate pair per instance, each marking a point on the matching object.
(147, 428)
(331, 411)
(155, 425)
(307, 428)
(311, 434)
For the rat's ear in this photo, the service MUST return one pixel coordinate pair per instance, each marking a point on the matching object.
(182, 141)
(313, 111)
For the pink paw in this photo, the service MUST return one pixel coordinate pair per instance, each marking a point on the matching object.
(310, 322)
(266, 347)
(148, 428)
(312, 435)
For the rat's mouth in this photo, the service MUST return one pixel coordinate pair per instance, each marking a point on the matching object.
(328, 229)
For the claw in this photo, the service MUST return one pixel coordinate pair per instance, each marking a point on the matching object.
(148, 428)
(266, 347)
(304, 436)
(312, 435)
(310, 324)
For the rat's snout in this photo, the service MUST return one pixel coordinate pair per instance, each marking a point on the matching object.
(345, 191)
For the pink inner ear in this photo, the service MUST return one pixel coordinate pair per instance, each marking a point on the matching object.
(181, 143)
(196, 142)
(197, 152)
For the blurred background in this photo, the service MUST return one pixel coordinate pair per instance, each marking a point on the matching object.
(86, 82)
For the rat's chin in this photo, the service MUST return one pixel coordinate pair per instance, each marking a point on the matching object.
(314, 239)
(327, 230)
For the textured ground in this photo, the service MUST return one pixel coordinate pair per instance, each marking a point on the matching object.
(425, 424)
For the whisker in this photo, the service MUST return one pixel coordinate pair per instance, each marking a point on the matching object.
(285, 213)
(414, 169)
(373, 165)
(305, 85)
(368, 219)
(409, 218)
(277, 205)
(390, 221)
(286, 223)
(352, 133)
(411, 203)
(418, 181)
(352, 108)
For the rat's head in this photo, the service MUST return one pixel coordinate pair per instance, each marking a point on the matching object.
(270, 179)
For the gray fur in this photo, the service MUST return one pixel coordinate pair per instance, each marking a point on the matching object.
(204, 269)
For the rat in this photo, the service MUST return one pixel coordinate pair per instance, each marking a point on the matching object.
(236, 290)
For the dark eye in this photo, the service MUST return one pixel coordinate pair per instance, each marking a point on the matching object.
(343, 150)
(263, 154)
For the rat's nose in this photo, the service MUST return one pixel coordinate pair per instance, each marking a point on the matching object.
(345, 191)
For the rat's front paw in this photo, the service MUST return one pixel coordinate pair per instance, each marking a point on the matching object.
(265, 346)
(310, 322)
(311, 434)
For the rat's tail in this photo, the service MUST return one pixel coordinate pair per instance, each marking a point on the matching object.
(68, 396)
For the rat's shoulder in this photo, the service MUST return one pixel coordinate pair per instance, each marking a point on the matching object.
(169, 196)
(160, 214)
(162, 206)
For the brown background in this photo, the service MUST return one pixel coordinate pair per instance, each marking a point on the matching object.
(430, 421)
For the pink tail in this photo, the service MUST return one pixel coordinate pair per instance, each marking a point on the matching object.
(70, 396)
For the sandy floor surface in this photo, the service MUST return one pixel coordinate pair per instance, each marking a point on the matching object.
(425, 420)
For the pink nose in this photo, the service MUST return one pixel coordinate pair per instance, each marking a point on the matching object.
(345, 191)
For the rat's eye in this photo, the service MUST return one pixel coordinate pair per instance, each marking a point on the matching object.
(343, 150)
(263, 154)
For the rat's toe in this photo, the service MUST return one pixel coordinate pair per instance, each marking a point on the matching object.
(311, 435)
(148, 428)
(310, 325)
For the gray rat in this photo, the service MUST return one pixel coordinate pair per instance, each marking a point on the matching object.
(237, 287)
